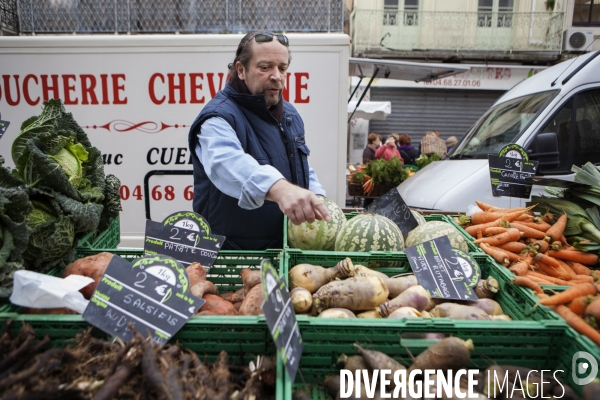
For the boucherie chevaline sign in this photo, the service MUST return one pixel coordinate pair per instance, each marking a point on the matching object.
(137, 96)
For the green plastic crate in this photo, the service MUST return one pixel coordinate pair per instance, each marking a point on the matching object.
(243, 337)
(107, 239)
(528, 344)
(516, 302)
(473, 248)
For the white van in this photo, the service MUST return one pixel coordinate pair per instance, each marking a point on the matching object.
(554, 116)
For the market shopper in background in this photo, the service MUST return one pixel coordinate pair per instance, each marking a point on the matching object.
(450, 143)
(407, 151)
(432, 143)
(373, 143)
(388, 150)
(249, 153)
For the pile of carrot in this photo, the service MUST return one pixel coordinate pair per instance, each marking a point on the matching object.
(579, 305)
(531, 246)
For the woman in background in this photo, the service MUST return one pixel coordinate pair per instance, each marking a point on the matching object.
(373, 143)
(407, 151)
(388, 150)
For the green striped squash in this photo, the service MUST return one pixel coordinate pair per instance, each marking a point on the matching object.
(319, 235)
(369, 232)
(418, 216)
(434, 229)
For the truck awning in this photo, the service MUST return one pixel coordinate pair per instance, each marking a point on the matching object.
(403, 70)
(378, 110)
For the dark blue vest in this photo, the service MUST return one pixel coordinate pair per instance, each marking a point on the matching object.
(277, 143)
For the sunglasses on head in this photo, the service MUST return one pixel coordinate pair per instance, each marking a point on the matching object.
(263, 37)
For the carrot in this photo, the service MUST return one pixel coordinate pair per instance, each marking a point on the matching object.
(497, 254)
(551, 262)
(528, 283)
(582, 289)
(592, 308)
(577, 323)
(578, 305)
(495, 230)
(527, 231)
(577, 256)
(510, 235)
(583, 278)
(540, 281)
(525, 217)
(541, 246)
(548, 218)
(556, 230)
(472, 230)
(579, 268)
(484, 217)
(520, 267)
(560, 272)
(552, 280)
(540, 226)
(483, 206)
(515, 247)
(512, 257)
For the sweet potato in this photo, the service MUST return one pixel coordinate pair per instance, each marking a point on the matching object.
(301, 300)
(458, 311)
(250, 278)
(450, 353)
(90, 266)
(204, 287)
(355, 294)
(253, 302)
(217, 305)
(196, 273)
(234, 297)
(312, 277)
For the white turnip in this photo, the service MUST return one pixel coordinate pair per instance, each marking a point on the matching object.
(355, 294)
(404, 312)
(301, 300)
(400, 284)
(416, 297)
(337, 313)
(490, 306)
(458, 311)
(487, 288)
(312, 277)
(369, 314)
(378, 360)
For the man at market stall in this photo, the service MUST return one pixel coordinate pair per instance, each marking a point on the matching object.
(249, 153)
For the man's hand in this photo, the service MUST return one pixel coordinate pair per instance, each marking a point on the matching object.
(300, 205)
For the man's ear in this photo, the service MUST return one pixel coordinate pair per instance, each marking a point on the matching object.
(239, 67)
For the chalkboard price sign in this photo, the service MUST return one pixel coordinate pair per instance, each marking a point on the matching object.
(3, 126)
(443, 271)
(392, 206)
(281, 318)
(509, 172)
(152, 294)
(184, 236)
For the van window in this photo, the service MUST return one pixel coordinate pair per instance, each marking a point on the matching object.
(578, 142)
(501, 125)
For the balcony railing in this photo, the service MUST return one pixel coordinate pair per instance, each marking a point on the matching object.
(184, 16)
(473, 31)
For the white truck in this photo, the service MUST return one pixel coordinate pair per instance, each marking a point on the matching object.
(136, 97)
